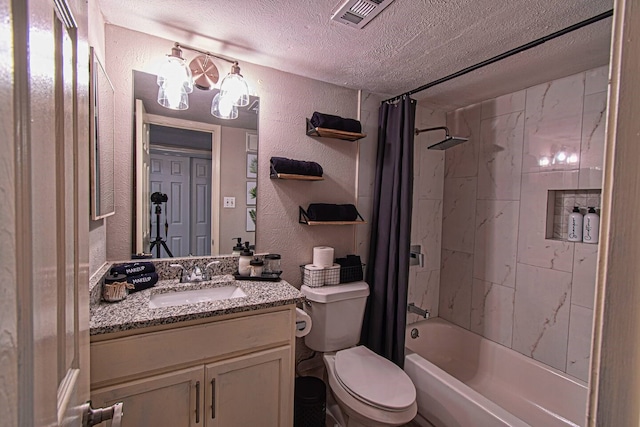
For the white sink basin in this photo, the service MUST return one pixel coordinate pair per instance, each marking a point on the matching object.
(170, 299)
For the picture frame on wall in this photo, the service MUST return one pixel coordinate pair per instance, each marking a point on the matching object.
(252, 193)
(251, 219)
(252, 165)
(252, 142)
(102, 141)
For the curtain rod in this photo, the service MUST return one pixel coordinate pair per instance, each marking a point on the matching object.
(507, 54)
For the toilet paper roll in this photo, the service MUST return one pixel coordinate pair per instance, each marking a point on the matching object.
(303, 323)
(323, 256)
(313, 276)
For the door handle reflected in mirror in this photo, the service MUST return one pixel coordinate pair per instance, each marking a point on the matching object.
(94, 416)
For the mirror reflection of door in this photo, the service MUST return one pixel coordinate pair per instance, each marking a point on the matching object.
(234, 143)
(186, 180)
(143, 204)
(190, 180)
(180, 167)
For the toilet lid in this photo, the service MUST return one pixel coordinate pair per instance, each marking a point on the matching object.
(374, 379)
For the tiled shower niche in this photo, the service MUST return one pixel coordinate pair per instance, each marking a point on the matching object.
(560, 204)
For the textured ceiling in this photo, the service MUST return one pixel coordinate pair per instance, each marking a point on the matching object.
(411, 43)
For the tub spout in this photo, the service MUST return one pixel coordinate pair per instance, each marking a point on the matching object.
(412, 308)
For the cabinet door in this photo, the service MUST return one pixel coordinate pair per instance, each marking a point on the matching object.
(169, 400)
(251, 390)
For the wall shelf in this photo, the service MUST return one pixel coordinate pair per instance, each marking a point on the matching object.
(295, 177)
(333, 133)
(303, 218)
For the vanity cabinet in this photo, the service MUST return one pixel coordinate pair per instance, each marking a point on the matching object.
(160, 400)
(245, 391)
(230, 372)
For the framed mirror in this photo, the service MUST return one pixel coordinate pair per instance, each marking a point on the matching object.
(202, 167)
(102, 140)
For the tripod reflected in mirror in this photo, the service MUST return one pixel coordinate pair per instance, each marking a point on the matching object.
(157, 199)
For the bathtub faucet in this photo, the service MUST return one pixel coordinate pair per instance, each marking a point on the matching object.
(412, 308)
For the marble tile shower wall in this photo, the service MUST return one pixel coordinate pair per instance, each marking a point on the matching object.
(500, 276)
(426, 227)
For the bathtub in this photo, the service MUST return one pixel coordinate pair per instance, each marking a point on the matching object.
(465, 380)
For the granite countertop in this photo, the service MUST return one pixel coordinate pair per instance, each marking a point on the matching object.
(134, 312)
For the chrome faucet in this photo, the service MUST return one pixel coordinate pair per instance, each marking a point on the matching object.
(196, 275)
(206, 268)
(412, 308)
(186, 277)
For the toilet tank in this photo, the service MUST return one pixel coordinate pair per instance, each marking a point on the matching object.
(336, 315)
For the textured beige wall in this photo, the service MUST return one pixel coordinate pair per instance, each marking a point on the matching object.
(233, 179)
(286, 100)
(97, 229)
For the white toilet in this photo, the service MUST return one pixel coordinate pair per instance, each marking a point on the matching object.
(370, 390)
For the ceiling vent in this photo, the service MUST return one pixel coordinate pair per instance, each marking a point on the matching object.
(358, 13)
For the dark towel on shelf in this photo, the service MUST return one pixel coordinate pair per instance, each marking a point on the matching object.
(321, 120)
(350, 268)
(296, 167)
(141, 282)
(134, 268)
(332, 212)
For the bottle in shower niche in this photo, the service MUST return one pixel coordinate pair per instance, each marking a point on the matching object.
(574, 232)
(591, 227)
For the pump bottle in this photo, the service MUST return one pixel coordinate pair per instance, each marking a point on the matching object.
(574, 231)
(237, 249)
(591, 227)
(244, 263)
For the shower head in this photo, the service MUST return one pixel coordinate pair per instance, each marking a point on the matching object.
(448, 141)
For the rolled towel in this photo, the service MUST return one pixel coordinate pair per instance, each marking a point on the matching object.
(297, 167)
(321, 120)
(332, 212)
(141, 282)
(350, 268)
(134, 268)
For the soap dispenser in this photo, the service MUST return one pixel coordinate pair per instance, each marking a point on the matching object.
(244, 263)
(591, 227)
(237, 249)
(574, 231)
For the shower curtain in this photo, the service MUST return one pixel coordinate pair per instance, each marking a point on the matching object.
(388, 264)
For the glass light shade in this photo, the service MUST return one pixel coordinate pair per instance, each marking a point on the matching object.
(234, 87)
(175, 69)
(223, 108)
(173, 96)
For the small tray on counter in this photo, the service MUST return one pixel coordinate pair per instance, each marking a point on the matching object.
(266, 277)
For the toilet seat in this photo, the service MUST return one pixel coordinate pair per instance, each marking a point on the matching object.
(361, 411)
(373, 379)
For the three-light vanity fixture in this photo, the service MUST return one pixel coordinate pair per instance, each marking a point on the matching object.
(176, 80)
